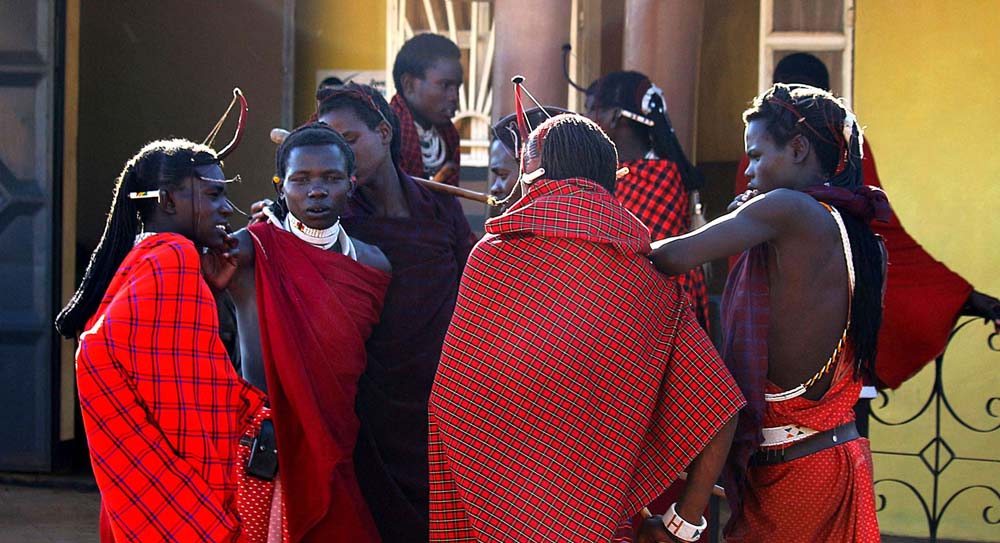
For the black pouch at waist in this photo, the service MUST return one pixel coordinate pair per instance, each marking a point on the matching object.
(263, 461)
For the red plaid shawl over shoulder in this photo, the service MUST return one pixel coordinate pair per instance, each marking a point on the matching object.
(654, 192)
(162, 406)
(584, 388)
(411, 160)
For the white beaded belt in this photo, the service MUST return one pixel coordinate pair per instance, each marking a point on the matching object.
(790, 433)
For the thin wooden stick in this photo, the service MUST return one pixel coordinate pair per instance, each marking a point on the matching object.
(456, 191)
(278, 136)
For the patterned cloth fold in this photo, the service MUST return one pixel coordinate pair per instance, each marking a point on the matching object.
(746, 311)
(427, 251)
(573, 378)
(162, 406)
(654, 192)
(313, 361)
(411, 160)
(865, 202)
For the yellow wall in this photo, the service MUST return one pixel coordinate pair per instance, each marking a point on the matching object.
(926, 87)
(343, 35)
(728, 78)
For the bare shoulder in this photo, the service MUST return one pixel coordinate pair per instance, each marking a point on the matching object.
(246, 248)
(371, 255)
(786, 209)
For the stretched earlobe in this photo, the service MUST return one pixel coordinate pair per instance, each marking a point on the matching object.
(166, 202)
(385, 131)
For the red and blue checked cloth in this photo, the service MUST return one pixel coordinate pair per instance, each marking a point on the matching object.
(654, 192)
(411, 161)
(574, 382)
(162, 406)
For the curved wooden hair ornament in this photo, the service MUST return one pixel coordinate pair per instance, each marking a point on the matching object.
(240, 125)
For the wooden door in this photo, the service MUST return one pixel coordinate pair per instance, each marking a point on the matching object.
(27, 234)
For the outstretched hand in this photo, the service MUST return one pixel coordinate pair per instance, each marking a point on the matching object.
(257, 211)
(983, 305)
(219, 265)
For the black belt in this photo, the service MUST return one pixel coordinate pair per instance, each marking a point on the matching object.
(814, 443)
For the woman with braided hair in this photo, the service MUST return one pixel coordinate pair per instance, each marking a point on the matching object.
(801, 315)
(163, 408)
(661, 183)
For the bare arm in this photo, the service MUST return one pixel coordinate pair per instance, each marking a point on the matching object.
(759, 220)
(702, 474)
(371, 255)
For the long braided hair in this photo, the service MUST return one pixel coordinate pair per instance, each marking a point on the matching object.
(160, 164)
(367, 104)
(635, 93)
(832, 130)
(574, 146)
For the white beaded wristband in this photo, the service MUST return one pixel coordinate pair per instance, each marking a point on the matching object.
(682, 529)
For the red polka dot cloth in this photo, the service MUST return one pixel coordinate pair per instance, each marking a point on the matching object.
(827, 496)
(259, 501)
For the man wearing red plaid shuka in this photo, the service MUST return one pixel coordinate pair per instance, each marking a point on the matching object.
(162, 406)
(575, 383)
(427, 73)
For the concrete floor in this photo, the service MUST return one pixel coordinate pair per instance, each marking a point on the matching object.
(67, 513)
(48, 515)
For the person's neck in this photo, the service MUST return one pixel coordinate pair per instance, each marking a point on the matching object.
(161, 225)
(811, 179)
(385, 191)
(417, 117)
(630, 147)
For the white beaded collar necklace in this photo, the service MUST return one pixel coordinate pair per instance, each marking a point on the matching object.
(323, 239)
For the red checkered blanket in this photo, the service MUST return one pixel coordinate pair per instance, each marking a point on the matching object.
(162, 406)
(566, 402)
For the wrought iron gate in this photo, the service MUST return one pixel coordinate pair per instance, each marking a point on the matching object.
(938, 454)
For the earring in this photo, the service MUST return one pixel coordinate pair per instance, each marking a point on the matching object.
(276, 180)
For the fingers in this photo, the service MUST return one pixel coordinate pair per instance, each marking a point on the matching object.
(258, 207)
(742, 199)
(257, 211)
